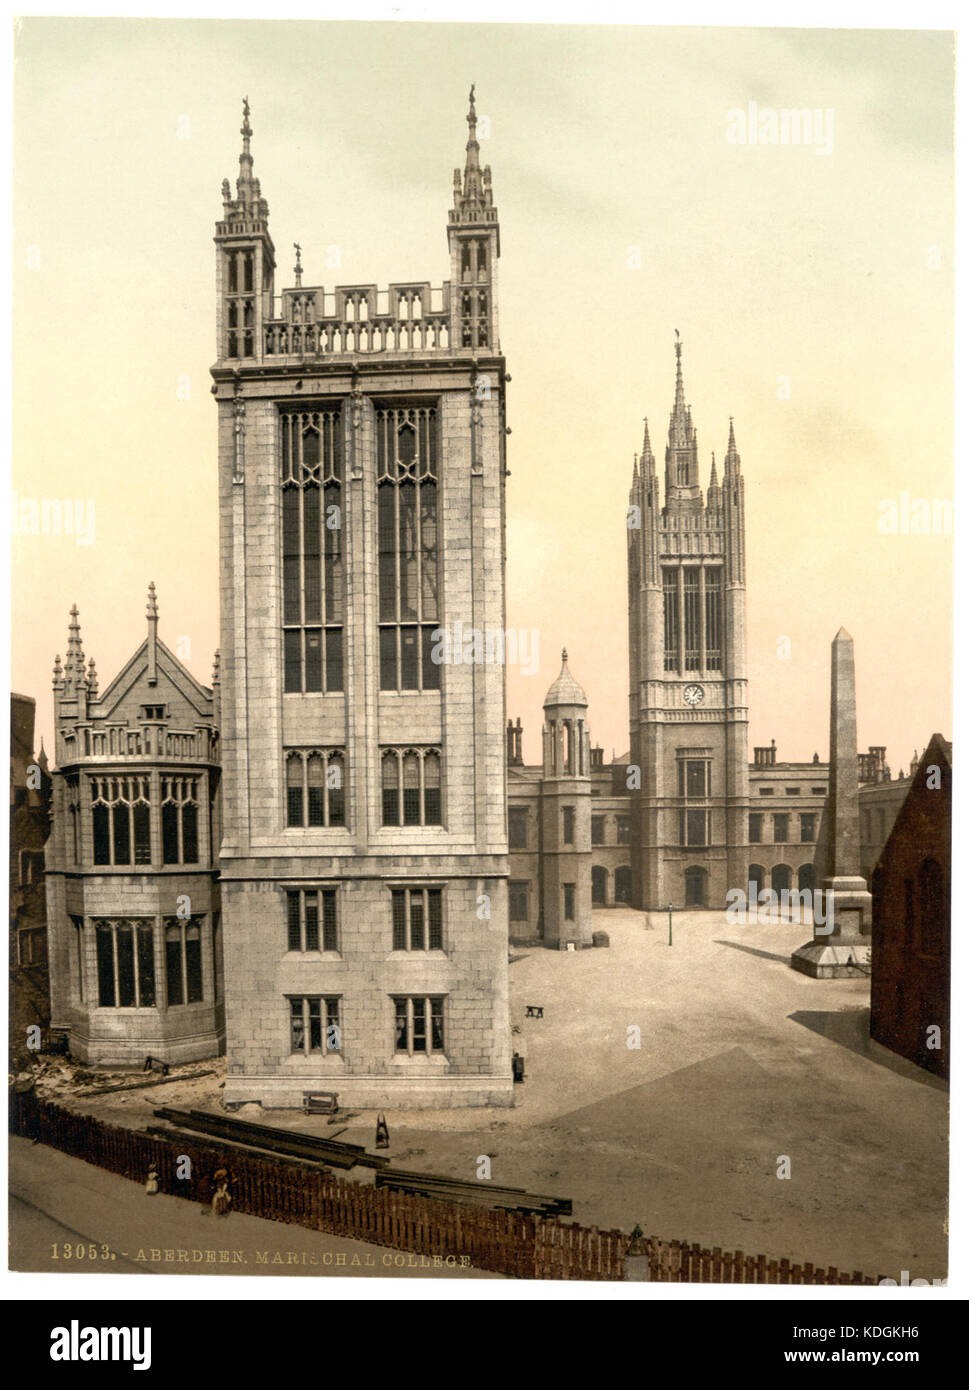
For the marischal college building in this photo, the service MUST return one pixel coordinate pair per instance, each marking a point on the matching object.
(317, 865)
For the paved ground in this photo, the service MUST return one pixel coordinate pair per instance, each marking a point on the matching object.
(742, 1060)
(59, 1205)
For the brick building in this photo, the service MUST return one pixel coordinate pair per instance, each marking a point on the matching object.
(132, 897)
(364, 862)
(910, 934)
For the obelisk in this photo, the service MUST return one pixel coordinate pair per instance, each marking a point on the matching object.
(842, 927)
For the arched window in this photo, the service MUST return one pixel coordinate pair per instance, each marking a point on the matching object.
(755, 881)
(696, 887)
(780, 878)
(600, 879)
(805, 878)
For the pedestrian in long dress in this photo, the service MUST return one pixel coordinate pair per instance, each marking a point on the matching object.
(151, 1186)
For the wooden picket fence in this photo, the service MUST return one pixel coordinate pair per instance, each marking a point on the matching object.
(511, 1243)
(677, 1262)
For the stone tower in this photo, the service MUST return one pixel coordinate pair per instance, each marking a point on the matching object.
(362, 497)
(566, 816)
(688, 687)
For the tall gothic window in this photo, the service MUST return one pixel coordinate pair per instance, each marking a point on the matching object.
(714, 618)
(408, 544)
(315, 787)
(183, 960)
(126, 964)
(691, 618)
(180, 820)
(411, 786)
(314, 581)
(671, 620)
(121, 820)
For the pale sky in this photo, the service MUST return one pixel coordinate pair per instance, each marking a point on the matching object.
(832, 270)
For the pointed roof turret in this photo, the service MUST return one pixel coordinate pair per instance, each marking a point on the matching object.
(152, 615)
(248, 199)
(649, 462)
(472, 189)
(713, 470)
(731, 462)
(92, 679)
(74, 662)
(565, 689)
(682, 433)
(58, 675)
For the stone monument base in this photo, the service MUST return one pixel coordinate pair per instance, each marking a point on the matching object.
(825, 960)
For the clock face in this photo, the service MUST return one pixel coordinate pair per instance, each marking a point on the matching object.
(693, 694)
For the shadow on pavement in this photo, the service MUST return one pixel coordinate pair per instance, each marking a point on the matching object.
(849, 1028)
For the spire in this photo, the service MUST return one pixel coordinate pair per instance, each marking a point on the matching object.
(58, 674)
(92, 679)
(472, 190)
(152, 615)
(42, 757)
(681, 425)
(74, 662)
(731, 463)
(298, 267)
(248, 195)
(649, 463)
(713, 471)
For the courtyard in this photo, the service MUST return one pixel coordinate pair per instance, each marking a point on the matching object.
(741, 1062)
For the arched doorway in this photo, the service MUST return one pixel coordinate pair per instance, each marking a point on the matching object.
(780, 878)
(696, 887)
(805, 878)
(624, 884)
(600, 880)
(755, 881)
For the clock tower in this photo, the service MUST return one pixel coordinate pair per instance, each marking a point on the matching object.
(687, 771)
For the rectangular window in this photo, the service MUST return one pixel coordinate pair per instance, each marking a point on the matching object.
(568, 891)
(517, 827)
(693, 828)
(314, 1024)
(311, 919)
(313, 566)
(418, 1024)
(568, 825)
(781, 828)
(807, 828)
(671, 620)
(518, 900)
(693, 777)
(623, 824)
(417, 919)
(766, 791)
(819, 791)
(756, 827)
(598, 830)
(793, 791)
